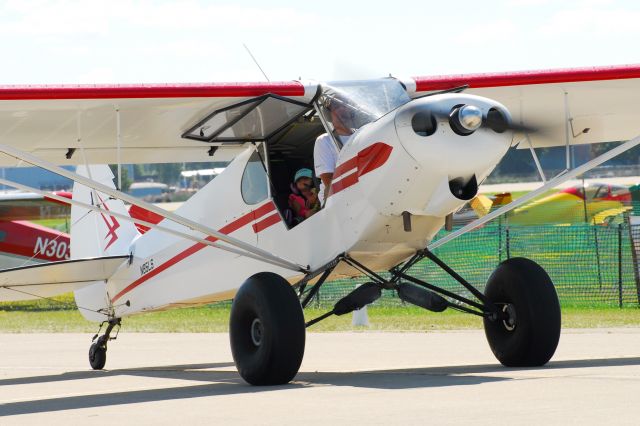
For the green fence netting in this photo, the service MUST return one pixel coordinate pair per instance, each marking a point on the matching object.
(589, 264)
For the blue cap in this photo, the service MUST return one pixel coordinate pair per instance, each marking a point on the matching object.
(303, 173)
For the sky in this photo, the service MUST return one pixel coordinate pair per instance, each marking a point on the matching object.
(155, 41)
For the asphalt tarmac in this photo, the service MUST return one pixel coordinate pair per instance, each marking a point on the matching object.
(346, 378)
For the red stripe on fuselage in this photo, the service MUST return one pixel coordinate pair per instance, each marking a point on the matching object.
(227, 229)
(137, 212)
(267, 222)
(344, 183)
(263, 210)
(344, 168)
(366, 161)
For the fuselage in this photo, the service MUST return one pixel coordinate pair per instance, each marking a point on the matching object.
(387, 168)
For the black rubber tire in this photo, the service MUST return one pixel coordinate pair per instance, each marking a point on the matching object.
(97, 356)
(527, 287)
(270, 299)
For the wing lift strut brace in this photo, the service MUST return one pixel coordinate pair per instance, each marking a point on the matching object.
(409, 288)
(421, 293)
(232, 244)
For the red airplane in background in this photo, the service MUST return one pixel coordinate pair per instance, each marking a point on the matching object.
(23, 242)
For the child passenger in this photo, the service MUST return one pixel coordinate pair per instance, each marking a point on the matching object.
(303, 199)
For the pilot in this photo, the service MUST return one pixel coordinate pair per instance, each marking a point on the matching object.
(325, 152)
(303, 199)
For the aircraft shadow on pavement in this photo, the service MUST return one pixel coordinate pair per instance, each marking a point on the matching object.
(167, 371)
(230, 383)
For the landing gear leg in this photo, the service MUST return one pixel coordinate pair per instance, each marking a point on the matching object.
(98, 349)
(520, 306)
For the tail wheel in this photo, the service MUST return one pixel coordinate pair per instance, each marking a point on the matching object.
(267, 330)
(527, 330)
(97, 355)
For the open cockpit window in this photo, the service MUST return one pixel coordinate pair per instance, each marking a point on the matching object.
(253, 120)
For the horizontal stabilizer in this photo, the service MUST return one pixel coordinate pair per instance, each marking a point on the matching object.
(50, 279)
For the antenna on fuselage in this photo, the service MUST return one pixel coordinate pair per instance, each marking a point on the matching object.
(256, 62)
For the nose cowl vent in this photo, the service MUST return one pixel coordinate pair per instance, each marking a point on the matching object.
(424, 123)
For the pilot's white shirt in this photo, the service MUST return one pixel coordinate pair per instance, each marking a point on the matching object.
(325, 157)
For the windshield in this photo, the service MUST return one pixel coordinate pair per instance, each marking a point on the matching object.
(350, 105)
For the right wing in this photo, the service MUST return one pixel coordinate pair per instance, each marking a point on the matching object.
(50, 279)
(602, 102)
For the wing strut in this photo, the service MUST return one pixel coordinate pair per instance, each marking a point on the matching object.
(535, 159)
(151, 225)
(568, 175)
(257, 252)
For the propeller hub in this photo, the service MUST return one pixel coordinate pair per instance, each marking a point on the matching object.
(470, 117)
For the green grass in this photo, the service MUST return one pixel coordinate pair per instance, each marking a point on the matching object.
(215, 319)
(57, 224)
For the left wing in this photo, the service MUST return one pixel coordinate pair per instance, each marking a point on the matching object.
(598, 104)
(70, 125)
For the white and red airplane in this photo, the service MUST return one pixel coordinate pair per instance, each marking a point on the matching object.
(420, 149)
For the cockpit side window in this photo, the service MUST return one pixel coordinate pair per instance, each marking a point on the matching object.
(254, 186)
(357, 103)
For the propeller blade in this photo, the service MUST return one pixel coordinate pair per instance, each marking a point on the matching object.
(496, 122)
